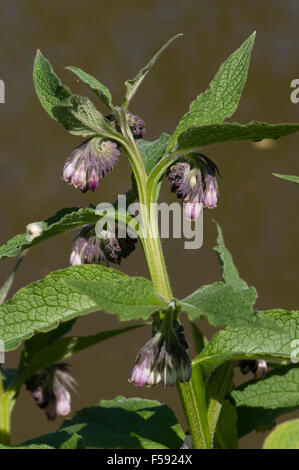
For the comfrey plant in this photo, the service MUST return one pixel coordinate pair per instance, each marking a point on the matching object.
(40, 316)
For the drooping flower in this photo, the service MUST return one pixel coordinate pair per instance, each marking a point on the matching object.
(164, 358)
(195, 182)
(90, 162)
(91, 248)
(186, 182)
(49, 388)
(86, 248)
(210, 193)
(257, 367)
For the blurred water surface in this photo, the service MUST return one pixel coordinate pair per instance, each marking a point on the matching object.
(113, 40)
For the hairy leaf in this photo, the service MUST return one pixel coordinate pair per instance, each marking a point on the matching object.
(152, 152)
(223, 304)
(79, 116)
(98, 88)
(253, 343)
(279, 389)
(229, 271)
(196, 137)
(127, 423)
(129, 298)
(41, 306)
(292, 178)
(132, 85)
(63, 221)
(48, 87)
(222, 98)
(260, 402)
(55, 440)
(76, 113)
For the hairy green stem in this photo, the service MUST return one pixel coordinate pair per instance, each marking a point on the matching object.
(192, 394)
(193, 399)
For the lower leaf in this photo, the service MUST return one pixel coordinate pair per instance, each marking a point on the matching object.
(127, 423)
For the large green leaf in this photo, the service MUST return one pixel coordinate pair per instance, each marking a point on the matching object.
(223, 304)
(79, 116)
(259, 418)
(284, 436)
(76, 113)
(129, 298)
(133, 84)
(48, 87)
(98, 88)
(152, 152)
(260, 402)
(253, 343)
(42, 305)
(196, 137)
(279, 389)
(54, 440)
(229, 271)
(62, 221)
(291, 178)
(222, 98)
(131, 423)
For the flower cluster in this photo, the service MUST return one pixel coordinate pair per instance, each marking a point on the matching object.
(49, 388)
(164, 358)
(137, 125)
(89, 248)
(195, 183)
(257, 367)
(90, 162)
(96, 157)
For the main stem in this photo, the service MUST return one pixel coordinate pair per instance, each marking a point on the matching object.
(194, 406)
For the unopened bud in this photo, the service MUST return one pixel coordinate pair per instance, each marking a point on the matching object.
(34, 230)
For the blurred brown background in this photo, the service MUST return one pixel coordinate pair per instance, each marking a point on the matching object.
(113, 40)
